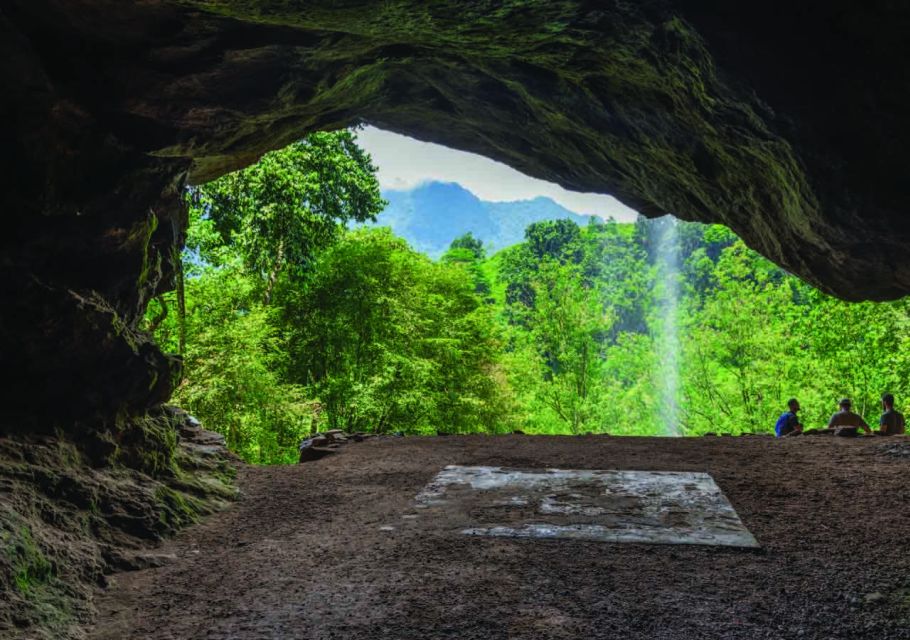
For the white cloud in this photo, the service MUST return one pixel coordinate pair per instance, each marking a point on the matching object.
(405, 162)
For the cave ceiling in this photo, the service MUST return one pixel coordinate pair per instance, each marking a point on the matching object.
(787, 122)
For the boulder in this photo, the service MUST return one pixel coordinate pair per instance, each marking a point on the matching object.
(326, 443)
(309, 454)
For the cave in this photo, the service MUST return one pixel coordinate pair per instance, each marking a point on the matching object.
(786, 122)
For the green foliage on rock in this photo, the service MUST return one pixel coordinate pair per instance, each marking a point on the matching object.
(67, 518)
(30, 567)
(175, 510)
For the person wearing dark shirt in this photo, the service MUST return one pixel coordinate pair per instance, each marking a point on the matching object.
(892, 422)
(788, 423)
(847, 423)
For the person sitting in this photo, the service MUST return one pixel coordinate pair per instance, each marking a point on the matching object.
(892, 422)
(788, 423)
(846, 423)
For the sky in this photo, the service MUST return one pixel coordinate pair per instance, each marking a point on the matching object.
(405, 163)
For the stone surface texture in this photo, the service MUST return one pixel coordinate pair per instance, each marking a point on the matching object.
(786, 121)
(67, 523)
(660, 507)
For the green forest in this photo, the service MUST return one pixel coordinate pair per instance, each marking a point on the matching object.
(291, 318)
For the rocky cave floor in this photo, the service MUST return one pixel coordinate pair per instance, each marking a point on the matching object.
(303, 555)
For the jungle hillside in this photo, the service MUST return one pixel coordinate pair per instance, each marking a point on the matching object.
(295, 311)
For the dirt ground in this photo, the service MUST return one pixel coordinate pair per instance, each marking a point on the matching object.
(302, 555)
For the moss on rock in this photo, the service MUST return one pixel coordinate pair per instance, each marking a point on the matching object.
(147, 444)
(29, 566)
(175, 510)
(67, 518)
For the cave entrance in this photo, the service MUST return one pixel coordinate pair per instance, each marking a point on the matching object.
(379, 302)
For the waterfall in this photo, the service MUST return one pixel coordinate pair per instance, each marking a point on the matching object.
(667, 256)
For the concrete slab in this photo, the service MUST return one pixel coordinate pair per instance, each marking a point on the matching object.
(664, 507)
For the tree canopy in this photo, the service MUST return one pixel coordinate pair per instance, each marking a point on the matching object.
(278, 212)
(294, 323)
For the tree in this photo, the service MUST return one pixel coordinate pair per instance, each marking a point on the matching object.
(388, 340)
(740, 361)
(467, 252)
(469, 243)
(233, 357)
(615, 263)
(555, 239)
(247, 231)
(281, 210)
(568, 325)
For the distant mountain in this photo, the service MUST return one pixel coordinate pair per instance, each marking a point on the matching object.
(433, 214)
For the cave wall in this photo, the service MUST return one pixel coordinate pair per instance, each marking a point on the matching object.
(787, 123)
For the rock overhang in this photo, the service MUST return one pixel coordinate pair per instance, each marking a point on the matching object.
(787, 123)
